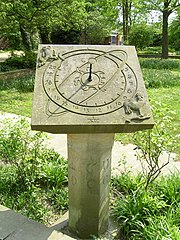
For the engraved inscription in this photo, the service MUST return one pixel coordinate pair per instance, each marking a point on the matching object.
(71, 175)
(91, 174)
(93, 120)
(105, 175)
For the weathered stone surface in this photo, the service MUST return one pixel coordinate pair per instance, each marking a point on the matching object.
(89, 161)
(89, 89)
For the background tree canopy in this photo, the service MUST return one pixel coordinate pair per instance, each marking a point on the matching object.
(25, 23)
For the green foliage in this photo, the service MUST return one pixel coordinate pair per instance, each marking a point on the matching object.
(141, 36)
(152, 143)
(30, 18)
(59, 36)
(160, 73)
(125, 183)
(151, 50)
(19, 62)
(147, 207)
(21, 84)
(168, 187)
(30, 175)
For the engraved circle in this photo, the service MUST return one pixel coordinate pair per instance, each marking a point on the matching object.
(66, 82)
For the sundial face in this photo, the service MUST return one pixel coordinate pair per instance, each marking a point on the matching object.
(80, 82)
(91, 85)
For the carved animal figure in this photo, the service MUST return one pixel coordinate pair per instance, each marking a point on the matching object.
(46, 53)
(135, 105)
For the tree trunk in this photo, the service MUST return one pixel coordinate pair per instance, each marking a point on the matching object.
(125, 19)
(26, 40)
(44, 35)
(165, 30)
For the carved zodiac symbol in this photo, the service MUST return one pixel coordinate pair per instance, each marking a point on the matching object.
(137, 106)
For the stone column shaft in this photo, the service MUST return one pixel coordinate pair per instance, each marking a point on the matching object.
(89, 171)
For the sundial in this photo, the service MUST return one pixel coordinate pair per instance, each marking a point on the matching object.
(89, 92)
(83, 89)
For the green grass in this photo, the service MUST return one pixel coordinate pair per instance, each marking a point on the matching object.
(155, 63)
(170, 97)
(16, 102)
(16, 95)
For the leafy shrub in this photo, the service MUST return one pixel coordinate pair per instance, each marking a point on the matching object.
(22, 84)
(152, 50)
(31, 175)
(152, 143)
(141, 36)
(168, 187)
(19, 62)
(132, 211)
(125, 183)
(58, 198)
(23, 149)
(146, 214)
(158, 73)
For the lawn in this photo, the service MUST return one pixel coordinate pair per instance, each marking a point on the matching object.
(13, 101)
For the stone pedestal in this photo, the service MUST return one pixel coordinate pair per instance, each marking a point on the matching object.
(89, 170)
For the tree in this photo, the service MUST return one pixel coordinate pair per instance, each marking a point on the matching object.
(141, 36)
(166, 7)
(31, 16)
(21, 16)
(99, 20)
(174, 33)
(131, 12)
(126, 7)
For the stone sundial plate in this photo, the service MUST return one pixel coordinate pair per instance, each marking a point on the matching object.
(89, 89)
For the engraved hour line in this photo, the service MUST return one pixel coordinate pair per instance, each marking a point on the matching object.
(81, 66)
(86, 102)
(100, 54)
(55, 111)
(94, 94)
(97, 57)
